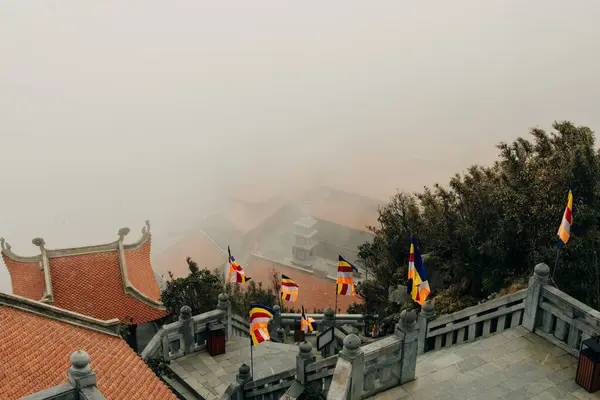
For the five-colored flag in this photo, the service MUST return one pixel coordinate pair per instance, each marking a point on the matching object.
(417, 285)
(236, 273)
(289, 289)
(307, 324)
(259, 321)
(564, 231)
(345, 283)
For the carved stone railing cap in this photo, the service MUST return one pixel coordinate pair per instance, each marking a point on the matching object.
(305, 348)
(428, 308)
(185, 312)
(542, 270)
(329, 312)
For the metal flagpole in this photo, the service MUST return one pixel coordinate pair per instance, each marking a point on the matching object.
(555, 265)
(336, 306)
(251, 357)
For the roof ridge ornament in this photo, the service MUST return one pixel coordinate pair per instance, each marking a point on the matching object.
(39, 242)
(122, 233)
(146, 229)
(4, 244)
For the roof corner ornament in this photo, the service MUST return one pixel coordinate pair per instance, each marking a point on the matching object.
(4, 244)
(146, 229)
(39, 242)
(122, 233)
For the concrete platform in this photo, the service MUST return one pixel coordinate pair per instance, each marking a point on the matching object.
(515, 364)
(210, 376)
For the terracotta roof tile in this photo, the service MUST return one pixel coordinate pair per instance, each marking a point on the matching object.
(91, 284)
(139, 271)
(35, 355)
(27, 278)
(198, 247)
(315, 292)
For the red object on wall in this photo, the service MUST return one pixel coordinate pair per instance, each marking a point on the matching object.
(215, 342)
(588, 371)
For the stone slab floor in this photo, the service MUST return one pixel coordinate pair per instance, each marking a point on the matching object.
(515, 364)
(210, 376)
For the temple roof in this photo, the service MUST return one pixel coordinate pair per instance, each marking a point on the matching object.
(113, 280)
(37, 340)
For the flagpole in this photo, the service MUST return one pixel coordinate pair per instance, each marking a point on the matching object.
(336, 304)
(555, 264)
(251, 357)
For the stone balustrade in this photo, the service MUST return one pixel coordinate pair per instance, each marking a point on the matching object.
(471, 323)
(189, 333)
(290, 322)
(557, 317)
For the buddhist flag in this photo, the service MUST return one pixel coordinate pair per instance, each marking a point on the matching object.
(259, 321)
(236, 273)
(345, 283)
(289, 289)
(564, 231)
(417, 285)
(308, 324)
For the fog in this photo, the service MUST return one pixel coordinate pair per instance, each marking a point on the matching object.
(115, 112)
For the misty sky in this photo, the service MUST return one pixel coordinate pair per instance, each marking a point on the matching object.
(115, 112)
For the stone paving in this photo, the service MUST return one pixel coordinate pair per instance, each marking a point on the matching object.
(515, 364)
(210, 376)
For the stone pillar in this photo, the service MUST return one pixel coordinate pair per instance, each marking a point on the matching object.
(356, 357)
(407, 331)
(187, 329)
(426, 315)
(225, 305)
(303, 359)
(328, 322)
(532, 302)
(242, 377)
(275, 323)
(280, 335)
(80, 374)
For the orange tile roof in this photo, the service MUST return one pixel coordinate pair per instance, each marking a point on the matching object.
(35, 355)
(315, 292)
(195, 245)
(27, 278)
(139, 271)
(88, 280)
(91, 284)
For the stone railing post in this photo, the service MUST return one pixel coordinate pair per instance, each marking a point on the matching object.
(328, 319)
(280, 335)
(225, 305)
(407, 330)
(275, 323)
(236, 389)
(426, 315)
(80, 374)
(356, 357)
(304, 358)
(532, 301)
(187, 329)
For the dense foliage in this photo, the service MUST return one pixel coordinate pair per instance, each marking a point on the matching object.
(199, 290)
(489, 227)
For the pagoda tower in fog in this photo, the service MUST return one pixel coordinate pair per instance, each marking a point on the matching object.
(303, 249)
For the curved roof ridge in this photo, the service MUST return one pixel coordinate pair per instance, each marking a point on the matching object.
(110, 327)
(77, 251)
(7, 251)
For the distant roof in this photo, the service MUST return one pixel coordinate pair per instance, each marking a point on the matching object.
(38, 339)
(246, 215)
(316, 292)
(113, 280)
(195, 245)
(346, 209)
